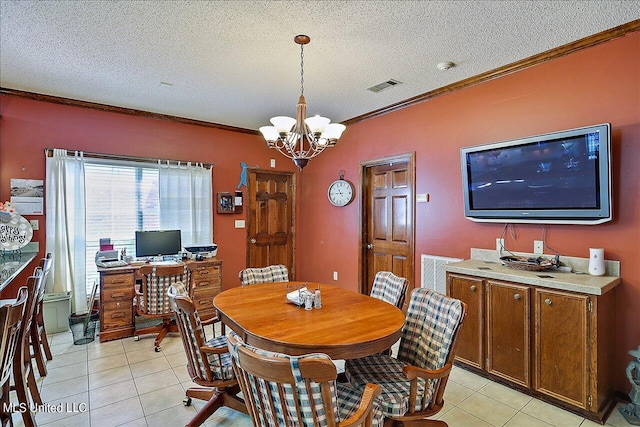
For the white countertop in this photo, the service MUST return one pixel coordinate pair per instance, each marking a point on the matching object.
(553, 279)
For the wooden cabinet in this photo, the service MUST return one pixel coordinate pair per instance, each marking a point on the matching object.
(116, 303)
(206, 283)
(508, 337)
(553, 344)
(470, 290)
(562, 346)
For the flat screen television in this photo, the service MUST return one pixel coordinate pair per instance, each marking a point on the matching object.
(557, 178)
(158, 243)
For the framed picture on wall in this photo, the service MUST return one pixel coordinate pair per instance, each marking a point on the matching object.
(225, 203)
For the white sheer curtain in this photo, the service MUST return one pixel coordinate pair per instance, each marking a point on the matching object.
(186, 201)
(65, 200)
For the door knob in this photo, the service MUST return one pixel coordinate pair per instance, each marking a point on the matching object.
(473, 288)
(547, 301)
(252, 240)
(370, 246)
(516, 296)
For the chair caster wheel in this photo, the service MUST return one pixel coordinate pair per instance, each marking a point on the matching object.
(186, 401)
(157, 349)
(136, 338)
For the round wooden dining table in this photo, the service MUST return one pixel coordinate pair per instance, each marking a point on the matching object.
(347, 326)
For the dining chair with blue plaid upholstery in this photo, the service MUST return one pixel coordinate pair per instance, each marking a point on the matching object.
(269, 274)
(299, 391)
(413, 383)
(152, 301)
(389, 288)
(208, 362)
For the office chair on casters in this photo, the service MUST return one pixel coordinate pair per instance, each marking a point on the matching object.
(208, 362)
(413, 384)
(152, 300)
(11, 317)
(269, 274)
(299, 390)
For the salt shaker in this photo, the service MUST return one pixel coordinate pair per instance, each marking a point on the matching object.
(308, 301)
(317, 301)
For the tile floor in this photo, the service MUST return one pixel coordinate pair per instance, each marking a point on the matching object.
(126, 383)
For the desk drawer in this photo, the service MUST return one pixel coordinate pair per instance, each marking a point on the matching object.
(124, 293)
(203, 299)
(110, 280)
(203, 273)
(117, 314)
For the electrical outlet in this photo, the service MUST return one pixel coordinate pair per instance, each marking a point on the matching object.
(273, 163)
(499, 244)
(538, 247)
(35, 224)
(335, 275)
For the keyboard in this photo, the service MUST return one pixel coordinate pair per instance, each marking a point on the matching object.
(170, 262)
(111, 264)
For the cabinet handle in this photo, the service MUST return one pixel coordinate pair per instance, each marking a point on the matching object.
(547, 301)
(253, 241)
(117, 315)
(117, 295)
(118, 280)
(473, 288)
(516, 296)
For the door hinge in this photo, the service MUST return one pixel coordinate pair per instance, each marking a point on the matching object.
(590, 305)
(589, 401)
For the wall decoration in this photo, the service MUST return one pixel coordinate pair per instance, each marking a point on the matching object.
(28, 195)
(225, 203)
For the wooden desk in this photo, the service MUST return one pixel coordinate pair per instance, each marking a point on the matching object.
(117, 314)
(349, 324)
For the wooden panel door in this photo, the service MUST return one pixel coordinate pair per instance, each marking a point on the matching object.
(469, 290)
(508, 339)
(387, 220)
(562, 349)
(270, 219)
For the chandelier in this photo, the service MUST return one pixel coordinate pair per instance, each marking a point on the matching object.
(302, 138)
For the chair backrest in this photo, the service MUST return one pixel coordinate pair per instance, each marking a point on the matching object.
(156, 279)
(282, 390)
(430, 330)
(272, 273)
(200, 365)
(11, 316)
(34, 285)
(389, 288)
(45, 265)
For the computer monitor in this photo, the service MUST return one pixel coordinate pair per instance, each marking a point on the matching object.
(158, 243)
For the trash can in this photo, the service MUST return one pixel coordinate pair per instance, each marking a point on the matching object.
(56, 308)
(83, 327)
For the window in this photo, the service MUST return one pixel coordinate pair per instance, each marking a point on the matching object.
(120, 199)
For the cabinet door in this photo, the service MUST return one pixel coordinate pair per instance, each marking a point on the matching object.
(470, 343)
(561, 346)
(508, 338)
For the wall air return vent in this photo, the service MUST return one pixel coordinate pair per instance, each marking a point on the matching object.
(384, 85)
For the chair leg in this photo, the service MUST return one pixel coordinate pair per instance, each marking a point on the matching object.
(42, 332)
(38, 355)
(214, 402)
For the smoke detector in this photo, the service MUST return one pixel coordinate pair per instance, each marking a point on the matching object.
(443, 66)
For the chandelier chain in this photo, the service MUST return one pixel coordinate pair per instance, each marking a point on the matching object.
(301, 69)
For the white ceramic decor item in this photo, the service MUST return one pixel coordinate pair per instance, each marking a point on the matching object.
(15, 233)
(596, 261)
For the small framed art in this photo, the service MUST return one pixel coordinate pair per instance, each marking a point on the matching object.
(225, 203)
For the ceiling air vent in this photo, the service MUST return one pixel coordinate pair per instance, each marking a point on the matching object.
(384, 85)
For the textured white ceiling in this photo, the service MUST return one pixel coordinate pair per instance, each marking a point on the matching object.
(235, 62)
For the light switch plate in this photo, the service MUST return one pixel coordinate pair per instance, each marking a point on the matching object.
(422, 198)
(239, 223)
(35, 224)
(273, 163)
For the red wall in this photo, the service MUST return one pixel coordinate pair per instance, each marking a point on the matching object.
(28, 127)
(600, 84)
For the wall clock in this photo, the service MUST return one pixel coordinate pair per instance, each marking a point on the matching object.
(341, 192)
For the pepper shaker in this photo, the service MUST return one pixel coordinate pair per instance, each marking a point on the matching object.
(317, 301)
(308, 301)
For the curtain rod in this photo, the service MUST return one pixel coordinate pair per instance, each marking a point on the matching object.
(49, 153)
